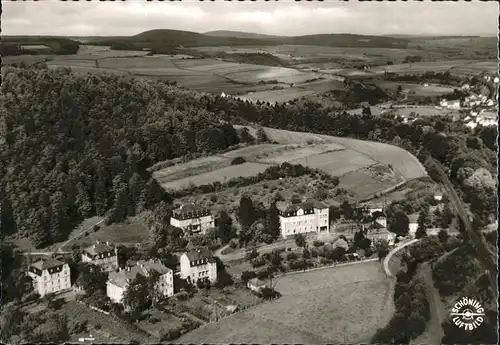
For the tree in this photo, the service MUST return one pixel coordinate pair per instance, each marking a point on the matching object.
(261, 135)
(423, 223)
(443, 236)
(382, 249)
(269, 293)
(91, 278)
(273, 221)
(137, 295)
(247, 275)
(246, 211)
(296, 199)
(225, 230)
(367, 111)
(306, 254)
(347, 210)
(399, 224)
(300, 240)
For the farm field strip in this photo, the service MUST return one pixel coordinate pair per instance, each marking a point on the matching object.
(317, 306)
(192, 167)
(299, 153)
(274, 96)
(401, 160)
(337, 163)
(256, 150)
(226, 173)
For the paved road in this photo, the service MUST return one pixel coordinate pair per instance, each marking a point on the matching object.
(60, 250)
(394, 251)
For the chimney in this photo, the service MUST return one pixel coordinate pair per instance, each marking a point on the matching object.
(107, 243)
(94, 245)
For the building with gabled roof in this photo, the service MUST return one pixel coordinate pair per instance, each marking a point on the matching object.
(255, 284)
(119, 281)
(308, 216)
(50, 276)
(192, 218)
(198, 264)
(102, 254)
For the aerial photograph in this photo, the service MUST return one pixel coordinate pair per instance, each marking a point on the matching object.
(260, 172)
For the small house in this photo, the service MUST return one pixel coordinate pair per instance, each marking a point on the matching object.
(256, 284)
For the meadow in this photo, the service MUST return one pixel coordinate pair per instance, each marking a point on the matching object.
(364, 167)
(459, 67)
(220, 175)
(317, 307)
(418, 90)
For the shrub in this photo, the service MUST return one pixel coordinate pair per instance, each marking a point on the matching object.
(213, 198)
(170, 335)
(96, 228)
(238, 160)
(258, 262)
(317, 243)
(325, 261)
(291, 256)
(314, 253)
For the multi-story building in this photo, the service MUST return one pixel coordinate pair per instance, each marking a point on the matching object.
(118, 282)
(309, 216)
(50, 276)
(102, 254)
(198, 264)
(193, 219)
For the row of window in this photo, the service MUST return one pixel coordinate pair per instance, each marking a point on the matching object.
(202, 273)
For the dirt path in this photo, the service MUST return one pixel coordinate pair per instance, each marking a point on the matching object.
(434, 331)
(392, 252)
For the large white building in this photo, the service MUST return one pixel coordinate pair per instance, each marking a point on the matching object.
(118, 282)
(309, 216)
(102, 254)
(50, 276)
(193, 219)
(198, 264)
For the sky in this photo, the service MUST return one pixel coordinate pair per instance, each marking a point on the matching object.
(286, 17)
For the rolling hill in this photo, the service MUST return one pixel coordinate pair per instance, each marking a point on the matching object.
(239, 34)
(163, 40)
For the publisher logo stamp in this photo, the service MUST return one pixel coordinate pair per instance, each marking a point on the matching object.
(468, 314)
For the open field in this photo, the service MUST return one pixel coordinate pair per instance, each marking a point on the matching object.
(337, 163)
(364, 167)
(278, 96)
(298, 155)
(132, 231)
(401, 160)
(243, 170)
(414, 89)
(459, 67)
(317, 307)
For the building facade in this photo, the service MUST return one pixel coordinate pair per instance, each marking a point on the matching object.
(198, 264)
(309, 216)
(50, 276)
(118, 282)
(102, 254)
(193, 219)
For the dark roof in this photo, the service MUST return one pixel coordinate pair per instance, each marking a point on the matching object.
(45, 264)
(142, 267)
(190, 209)
(99, 248)
(199, 254)
(284, 207)
(256, 282)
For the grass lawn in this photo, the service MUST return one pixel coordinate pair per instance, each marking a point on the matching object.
(327, 306)
(130, 232)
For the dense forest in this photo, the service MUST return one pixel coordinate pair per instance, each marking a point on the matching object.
(79, 145)
(57, 45)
